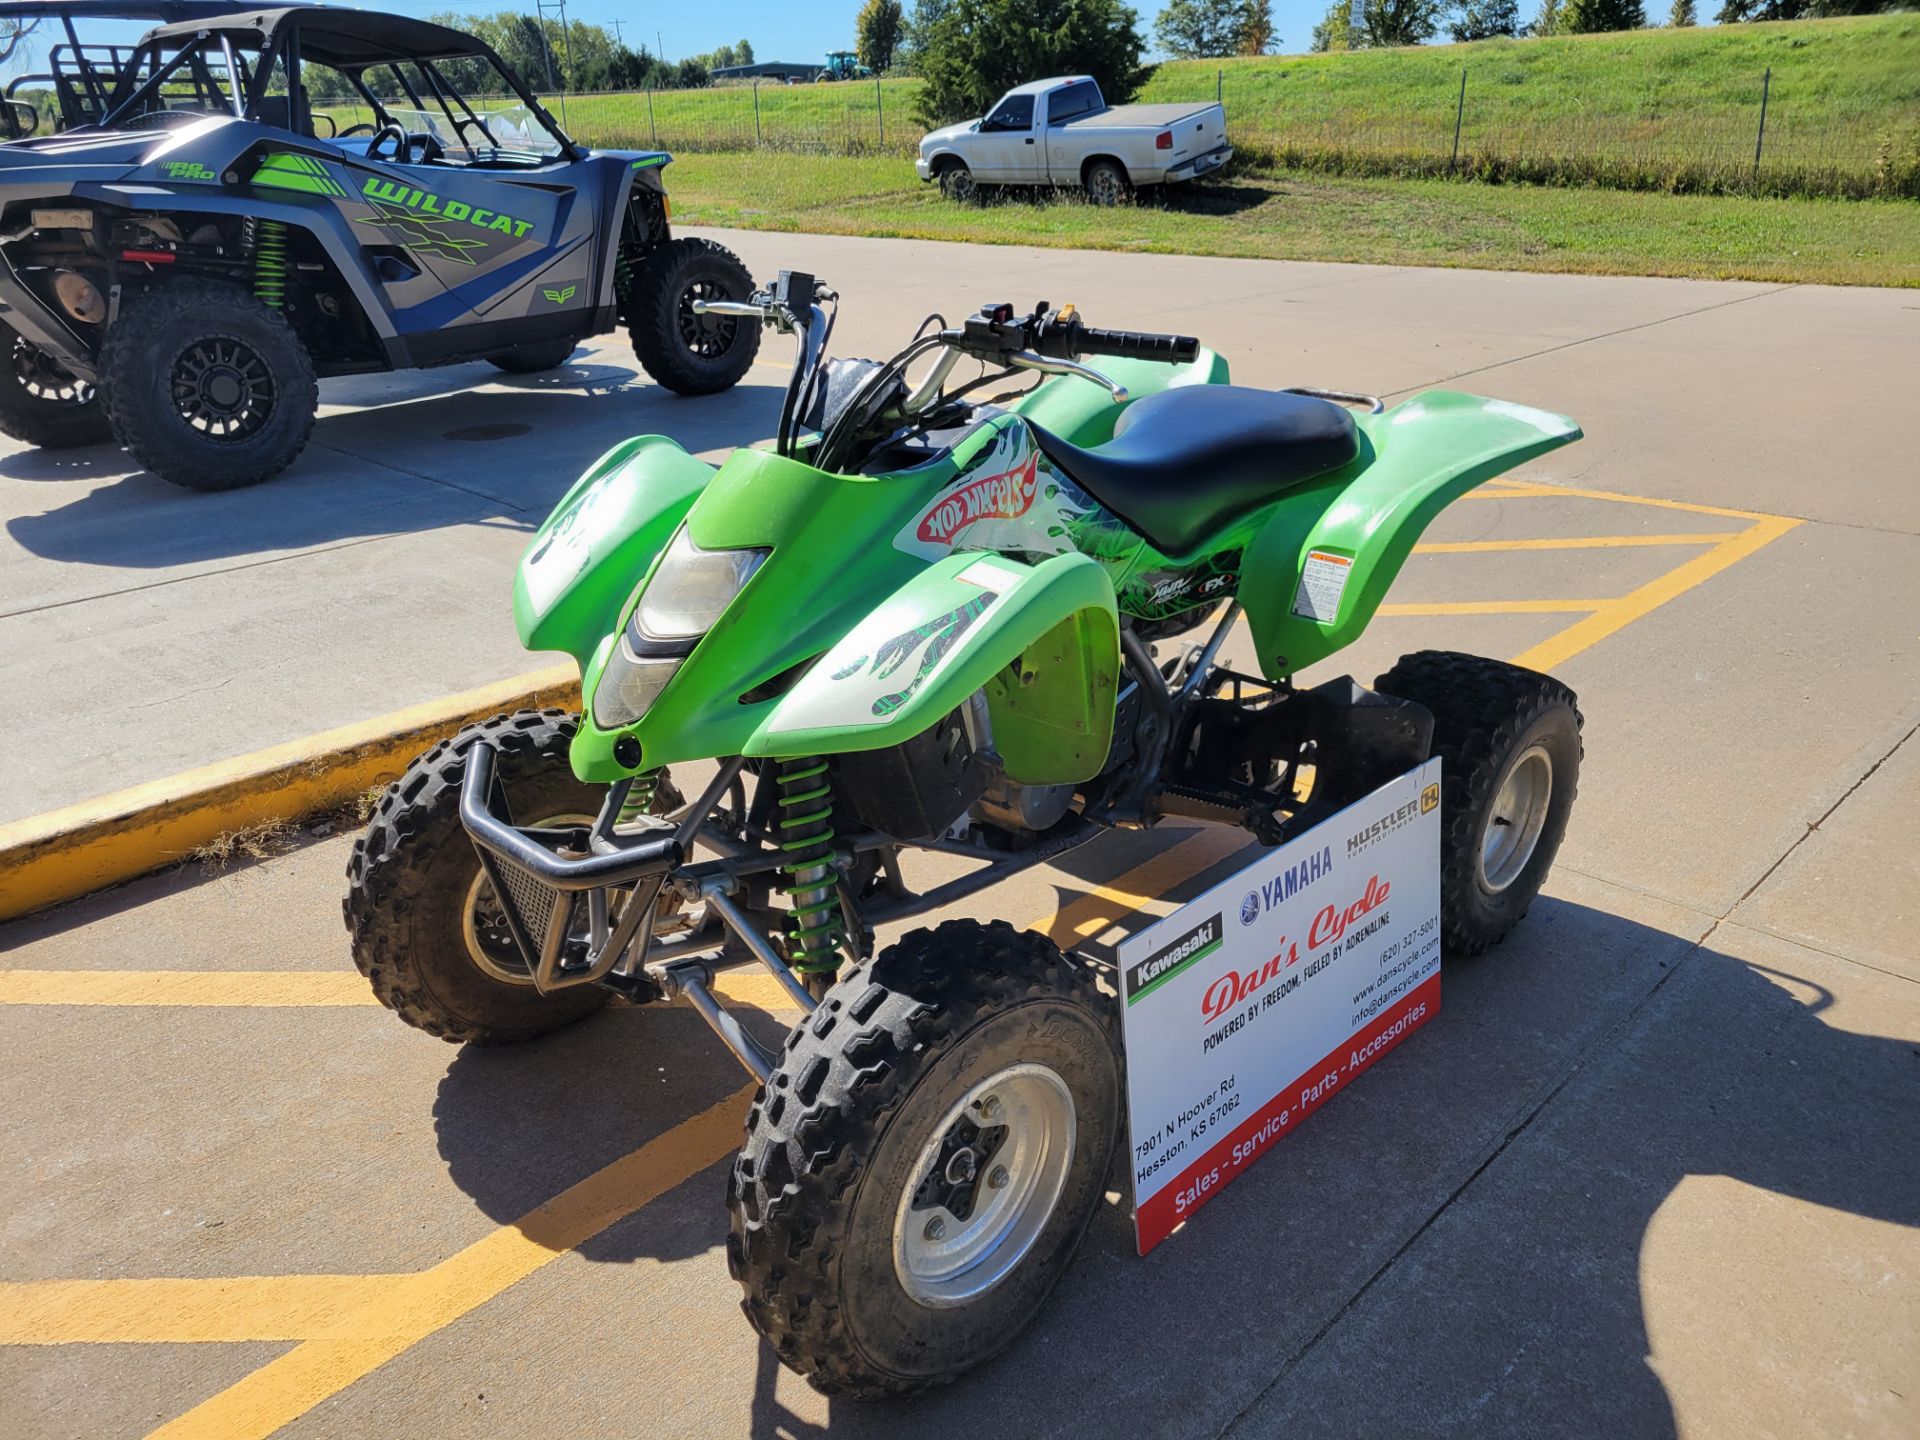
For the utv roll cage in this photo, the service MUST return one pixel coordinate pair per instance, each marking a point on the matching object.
(199, 43)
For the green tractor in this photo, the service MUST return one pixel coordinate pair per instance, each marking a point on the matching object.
(844, 65)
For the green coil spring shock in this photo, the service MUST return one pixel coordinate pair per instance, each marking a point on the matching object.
(270, 263)
(806, 838)
(639, 799)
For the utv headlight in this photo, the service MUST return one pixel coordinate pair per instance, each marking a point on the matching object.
(691, 587)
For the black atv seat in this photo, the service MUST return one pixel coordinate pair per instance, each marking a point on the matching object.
(1187, 461)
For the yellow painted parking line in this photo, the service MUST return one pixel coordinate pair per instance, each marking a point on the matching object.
(393, 1314)
(1496, 607)
(1543, 490)
(1618, 614)
(176, 1311)
(1568, 542)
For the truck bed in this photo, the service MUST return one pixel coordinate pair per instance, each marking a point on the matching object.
(1141, 117)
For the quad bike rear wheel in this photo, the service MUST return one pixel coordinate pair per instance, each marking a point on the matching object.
(921, 1167)
(1509, 746)
(534, 357)
(426, 928)
(690, 353)
(46, 405)
(206, 385)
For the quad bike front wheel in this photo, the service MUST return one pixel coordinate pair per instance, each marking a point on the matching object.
(691, 353)
(921, 1167)
(206, 385)
(1509, 746)
(427, 930)
(44, 404)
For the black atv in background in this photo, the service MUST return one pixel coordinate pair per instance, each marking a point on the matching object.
(183, 262)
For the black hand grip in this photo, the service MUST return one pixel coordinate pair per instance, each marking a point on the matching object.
(1136, 345)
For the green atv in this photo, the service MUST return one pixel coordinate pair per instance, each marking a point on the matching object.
(926, 620)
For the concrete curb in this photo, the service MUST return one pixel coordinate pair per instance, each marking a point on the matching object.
(66, 853)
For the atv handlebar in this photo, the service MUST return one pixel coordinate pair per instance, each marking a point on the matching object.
(1136, 345)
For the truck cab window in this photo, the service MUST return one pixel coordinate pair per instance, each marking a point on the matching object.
(1073, 102)
(1013, 113)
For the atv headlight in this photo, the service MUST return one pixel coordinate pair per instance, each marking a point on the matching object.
(691, 587)
(629, 685)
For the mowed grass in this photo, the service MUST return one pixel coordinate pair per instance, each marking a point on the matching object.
(1298, 217)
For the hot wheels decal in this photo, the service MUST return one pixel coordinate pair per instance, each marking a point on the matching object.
(1004, 496)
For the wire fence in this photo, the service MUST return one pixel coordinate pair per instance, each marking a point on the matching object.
(1772, 147)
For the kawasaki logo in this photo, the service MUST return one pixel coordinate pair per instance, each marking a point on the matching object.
(1006, 496)
(1170, 960)
(418, 203)
(560, 297)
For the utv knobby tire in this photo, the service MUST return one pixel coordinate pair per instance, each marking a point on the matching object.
(663, 288)
(1486, 716)
(531, 359)
(833, 1136)
(411, 872)
(31, 413)
(149, 337)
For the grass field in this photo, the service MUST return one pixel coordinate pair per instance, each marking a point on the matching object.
(1300, 217)
(1652, 109)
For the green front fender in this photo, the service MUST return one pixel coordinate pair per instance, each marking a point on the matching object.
(1314, 575)
(1042, 640)
(600, 539)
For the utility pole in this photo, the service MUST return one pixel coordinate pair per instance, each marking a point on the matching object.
(618, 34)
(559, 7)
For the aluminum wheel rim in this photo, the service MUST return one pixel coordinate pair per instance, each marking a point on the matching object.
(960, 184)
(222, 388)
(1512, 830)
(483, 923)
(1106, 187)
(984, 1187)
(707, 336)
(45, 379)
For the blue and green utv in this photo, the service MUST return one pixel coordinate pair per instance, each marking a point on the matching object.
(243, 203)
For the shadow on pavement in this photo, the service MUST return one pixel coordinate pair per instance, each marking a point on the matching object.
(503, 454)
(1452, 1247)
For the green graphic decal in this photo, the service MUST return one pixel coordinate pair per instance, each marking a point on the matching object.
(192, 170)
(286, 171)
(422, 232)
(560, 297)
(651, 161)
(944, 630)
(424, 204)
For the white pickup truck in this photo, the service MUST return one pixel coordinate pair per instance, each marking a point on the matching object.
(1061, 132)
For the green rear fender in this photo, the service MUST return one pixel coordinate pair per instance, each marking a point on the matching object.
(1042, 640)
(600, 539)
(1317, 571)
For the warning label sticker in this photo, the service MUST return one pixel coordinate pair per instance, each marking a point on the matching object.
(1322, 583)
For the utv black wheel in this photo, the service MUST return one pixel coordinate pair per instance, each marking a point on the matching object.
(1509, 746)
(1107, 183)
(920, 1169)
(44, 404)
(207, 386)
(532, 359)
(689, 353)
(426, 928)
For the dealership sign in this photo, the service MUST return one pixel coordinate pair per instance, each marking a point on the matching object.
(1251, 1006)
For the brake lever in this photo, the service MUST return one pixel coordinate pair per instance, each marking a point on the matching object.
(1027, 360)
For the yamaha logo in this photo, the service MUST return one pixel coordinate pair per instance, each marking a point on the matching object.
(1250, 908)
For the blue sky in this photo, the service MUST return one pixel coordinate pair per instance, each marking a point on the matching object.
(801, 32)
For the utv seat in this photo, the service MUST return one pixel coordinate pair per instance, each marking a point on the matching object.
(1185, 462)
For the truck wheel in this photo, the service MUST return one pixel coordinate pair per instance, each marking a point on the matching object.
(691, 354)
(957, 182)
(1509, 746)
(43, 404)
(1107, 183)
(919, 1171)
(533, 358)
(207, 386)
(426, 929)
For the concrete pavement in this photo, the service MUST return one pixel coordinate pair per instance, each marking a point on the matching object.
(1652, 1170)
